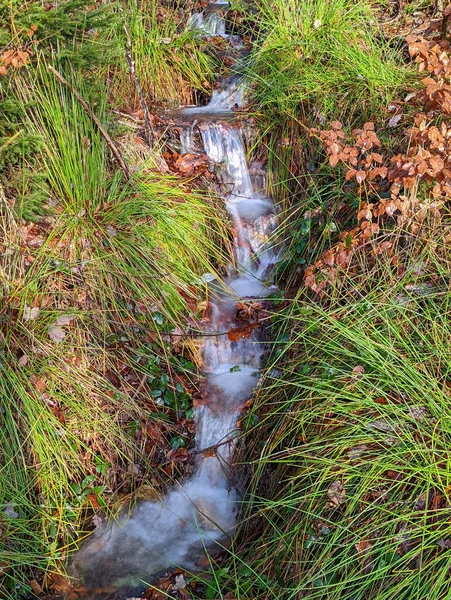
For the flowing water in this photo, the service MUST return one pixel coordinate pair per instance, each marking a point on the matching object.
(201, 512)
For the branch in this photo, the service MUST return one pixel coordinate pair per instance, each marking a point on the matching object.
(111, 145)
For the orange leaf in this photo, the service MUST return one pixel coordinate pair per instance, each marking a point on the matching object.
(241, 332)
(93, 500)
(39, 384)
(334, 160)
(360, 176)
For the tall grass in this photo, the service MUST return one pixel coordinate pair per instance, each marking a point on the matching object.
(155, 229)
(310, 63)
(173, 64)
(118, 263)
(327, 57)
(348, 445)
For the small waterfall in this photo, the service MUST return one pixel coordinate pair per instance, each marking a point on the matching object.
(211, 21)
(201, 511)
(187, 140)
(227, 96)
(224, 144)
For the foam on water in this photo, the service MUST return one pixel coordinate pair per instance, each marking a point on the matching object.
(249, 211)
(224, 99)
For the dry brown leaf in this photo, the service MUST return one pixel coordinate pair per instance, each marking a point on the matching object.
(64, 320)
(39, 384)
(238, 333)
(336, 493)
(56, 334)
(30, 314)
(363, 546)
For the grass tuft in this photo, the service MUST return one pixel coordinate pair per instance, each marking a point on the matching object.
(348, 443)
(328, 57)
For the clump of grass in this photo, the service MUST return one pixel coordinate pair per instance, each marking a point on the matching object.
(172, 63)
(327, 57)
(348, 444)
(155, 227)
(76, 32)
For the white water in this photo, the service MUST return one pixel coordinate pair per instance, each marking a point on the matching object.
(230, 95)
(201, 511)
(211, 22)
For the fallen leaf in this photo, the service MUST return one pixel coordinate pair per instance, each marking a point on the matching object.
(394, 121)
(363, 546)
(10, 512)
(93, 500)
(209, 453)
(59, 583)
(30, 314)
(39, 384)
(186, 164)
(336, 493)
(395, 475)
(56, 334)
(357, 452)
(180, 582)
(237, 333)
(111, 231)
(360, 176)
(381, 400)
(37, 589)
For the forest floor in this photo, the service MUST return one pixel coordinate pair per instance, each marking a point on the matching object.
(105, 229)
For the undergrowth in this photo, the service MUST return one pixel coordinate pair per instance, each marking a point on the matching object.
(347, 443)
(94, 395)
(308, 65)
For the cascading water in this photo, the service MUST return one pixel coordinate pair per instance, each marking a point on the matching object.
(211, 22)
(201, 511)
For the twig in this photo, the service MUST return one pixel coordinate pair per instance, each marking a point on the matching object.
(131, 63)
(140, 386)
(111, 145)
(214, 447)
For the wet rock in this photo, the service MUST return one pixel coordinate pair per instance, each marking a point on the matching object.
(261, 233)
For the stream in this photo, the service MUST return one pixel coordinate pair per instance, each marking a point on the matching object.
(200, 513)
